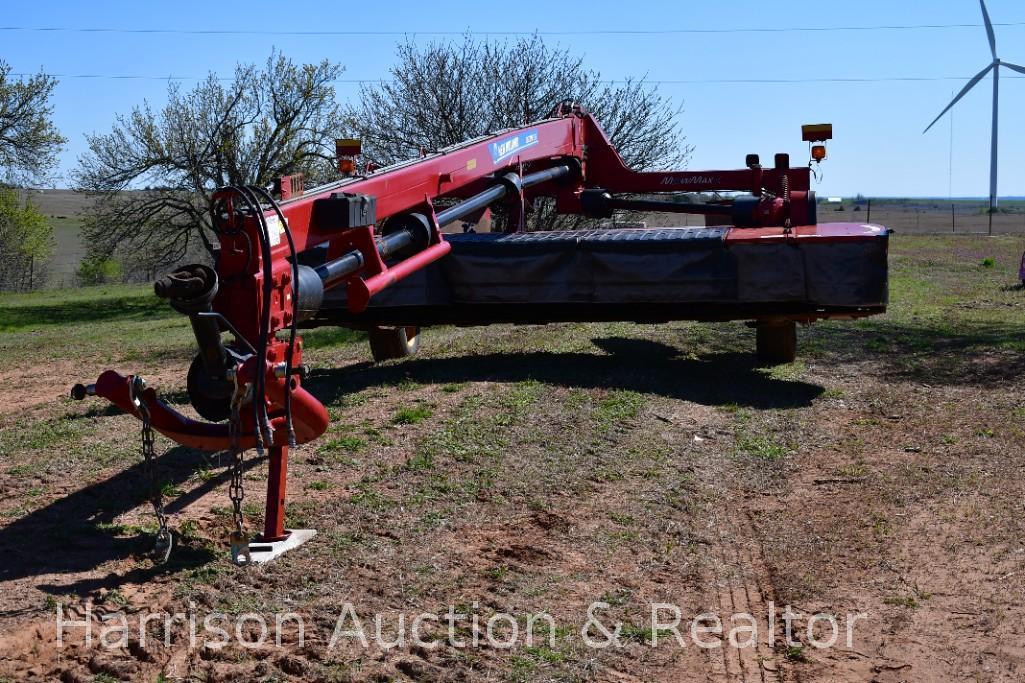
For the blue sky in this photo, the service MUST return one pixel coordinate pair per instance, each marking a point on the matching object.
(879, 147)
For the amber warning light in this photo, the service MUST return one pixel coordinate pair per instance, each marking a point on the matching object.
(346, 151)
(816, 135)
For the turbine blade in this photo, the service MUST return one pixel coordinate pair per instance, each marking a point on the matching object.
(989, 29)
(971, 84)
(1013, 67)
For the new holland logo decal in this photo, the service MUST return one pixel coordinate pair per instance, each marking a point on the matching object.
(503, 149)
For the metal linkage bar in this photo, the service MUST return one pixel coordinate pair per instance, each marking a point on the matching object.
(335, 271)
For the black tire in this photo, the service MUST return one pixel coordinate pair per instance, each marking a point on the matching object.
(387, 343)
(776, 342)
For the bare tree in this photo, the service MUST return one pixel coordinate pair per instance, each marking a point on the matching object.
(153, 174)
(29, 142)
(444, 93)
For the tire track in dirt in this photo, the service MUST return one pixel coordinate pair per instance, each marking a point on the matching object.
(737, 577)
(741, 581)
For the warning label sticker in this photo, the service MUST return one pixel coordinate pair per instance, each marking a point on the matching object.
(275, 230)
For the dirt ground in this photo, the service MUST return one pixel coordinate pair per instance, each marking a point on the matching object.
(534, 471)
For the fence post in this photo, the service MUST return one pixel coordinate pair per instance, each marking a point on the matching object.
(952, 229)
(868, 218)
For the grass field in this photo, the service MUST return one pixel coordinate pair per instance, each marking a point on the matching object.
(930, 216)
(69, 250)
(533, 470)
(63, 208)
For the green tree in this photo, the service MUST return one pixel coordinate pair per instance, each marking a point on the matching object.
(26, 242)
(269, 121)
(96, 270)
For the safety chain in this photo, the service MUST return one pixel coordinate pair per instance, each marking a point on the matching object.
(786, 204)
(236, 489)
(165, 541)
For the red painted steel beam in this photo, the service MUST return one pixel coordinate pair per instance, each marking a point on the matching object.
(359, 291)
(309, 416)
(274, 512)
(607, 170)
(448, 173)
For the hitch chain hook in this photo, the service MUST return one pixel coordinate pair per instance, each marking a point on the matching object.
(236, 488)
(165, 541)
(786, 205)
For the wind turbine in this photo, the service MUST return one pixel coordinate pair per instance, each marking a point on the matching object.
(993, 66)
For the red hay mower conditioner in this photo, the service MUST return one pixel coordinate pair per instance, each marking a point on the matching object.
(368, 252)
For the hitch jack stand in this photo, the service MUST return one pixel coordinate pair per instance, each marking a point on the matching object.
(276, 539)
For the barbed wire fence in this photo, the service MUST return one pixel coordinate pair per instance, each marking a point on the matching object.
(930, 217)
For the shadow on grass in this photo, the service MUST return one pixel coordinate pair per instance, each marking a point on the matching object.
(76, 533)
(941, 353)
(326, 337)
(141, 307)
(632, 364)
